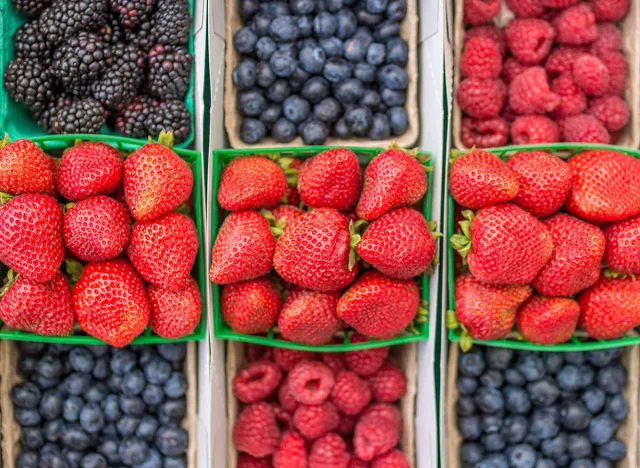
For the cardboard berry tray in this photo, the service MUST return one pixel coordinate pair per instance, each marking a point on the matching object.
(54, 145)
(216, 216)
(630, 29)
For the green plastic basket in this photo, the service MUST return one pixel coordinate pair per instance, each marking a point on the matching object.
(222, 330)
(17, 120)
(578, 342)
(53, 144)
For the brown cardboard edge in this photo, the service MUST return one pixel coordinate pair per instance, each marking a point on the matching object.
(408, 31)
(627, 431)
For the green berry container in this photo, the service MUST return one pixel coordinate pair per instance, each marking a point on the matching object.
(578, 341)
(53, 145)
(220, 159)
(19, 121)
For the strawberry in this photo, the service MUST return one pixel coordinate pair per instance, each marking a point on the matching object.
(503, 244)
(393, 178)
(610, 308)
(548, 320)
(284, 214)
(309, 317)
(313, 251)
(544, 182)
(251, 306)
(243, 249)
(479, 178)
(89, 168)
(175, 314)
(156, 181)
(331, 179)
(96, 228)
(54, 167)
(291, 194)
(42, 308)
(399, 243)
(251, 183)
(606, 186)
(163, 250)
(622, 252)
(485, 311)
(110, 302)
(378, 306)
(24, 168)
(578, 248)
(31, 236)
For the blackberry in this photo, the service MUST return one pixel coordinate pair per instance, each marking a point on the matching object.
(111, 32)
(172, 22)
(170, 116)
(28, 81)
(47, 118)
(66, 18)
(120, 83)
(84, 115)
(131, 61)
(80, 89)
(143, 36)
(169, 71)
(80, 59)
(30, 6)
(29, 42)
(131, 119)
(131, 12)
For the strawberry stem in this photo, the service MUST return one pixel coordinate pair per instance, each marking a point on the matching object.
(451, 320)
(355, 232)
(165, 139)
(5, 198)
(74, 269)
(466, 340)
(5, 140)
(461, 242)
(277, 227)
(8, 282)
(612, 274)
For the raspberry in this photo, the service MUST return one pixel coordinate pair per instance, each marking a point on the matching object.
(256, 352)
(351, 394)
(347, 423)
(490, 31)
(285, 397)
(526, 8)
(572, 99)
(528, 129)
(609, 39)
(591, 74)
(529, 40)
(256, 381)
(611, 111)
(311, 382)
(373, 436)
(329, 451)
(561, 59)
(292, 451)
(481, 58)
(385, 410)
(480, 11)
(508, 115)
(335, 361)
(576, 25)
(558, 3)
(247, 461)
(512, 68)
(256, 431)
(284, 418)
(388, 384)
(392, 459)
(583, 128)
(481, 98)
(316, 421)
(287, 358)
(610, 10)
(529, 93)
(355, 462)
(617, 66)
(366, 361)
(484, 133)
(613, 137)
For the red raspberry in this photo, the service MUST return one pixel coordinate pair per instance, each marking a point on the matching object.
(526, 8)
(610, 10)
(611, 111)
(558, 3)
(287, 358)
(576, 25)
(285, 397)
(481, 98)
(392, 459)
(583, 128)
(528, 129)
(329, 451)
(480, 11)
(617, 66)
(256, 381)
(256, 352)
(311, 382)
(284, 418)
(508, 114)
(490, 31)
(511, 69)
(347, 423)
(481, 58)
(484, 133)
(529, 40)
(256, 431)
(247, 461)
(609, 39)
(389, 383)
(373, 436)
(351, 394)
(335, 361)
(591, 74)
(561, 59)
(316, 421)
(365, 362)
(292, 451)
(572, 99)
(384, 410)
(355, 462)
(529, 93)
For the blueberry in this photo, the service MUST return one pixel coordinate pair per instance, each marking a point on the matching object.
(302, 7)
(544, 422)
(522, 456)
(127, 425)
(248, 8)
(152, 395)
(53, 430)
(617, 407)
(347, 24)
(397, 10)
(50, 448)
(354, 50)
(57, 349)
(553, 362)
(574, 415)
(516, 399)
(380, 129)
(555, 447)
(493, 460)
(613, 450)
(275, 9)
(283, 62)
(251, 104)
(296, 109)
(511, 376)
(465, 406)
(332, 46)
(278, 91)
(376, 7)
(337, 69)
(471, 453)
(325, 24)
(602, 463)
(147, 428)
(92, 418)
(133, 382)
(115, 383)
(394, 77)
(334, 5)
(244, 40)
(172, 410)
(543, 392)
(44, 382)
(498, 358)
(371, 99)
(176, 386)
(93, 460)
(283, 131)
(52, 460)
(171, 440)
(27, 460)
(569, 378)
(101, 369)
(27, 416)
(489, 399)
(96, 392)
(349, 91)
(133, 451)
(154, 460)
(368, 19)
(578, 446)
(340, 129)
(27, 366)
(49, 367)
(469, 427)
(358, 120)
(173, 351)
(582, 463)
(244, 75)
(270, 116)
(602, 428)
(315, 89)
(108, 447)
(493, 442)
(111, 408)
(305, 26)
(393, 97)
(31, 438)
(364, 72)
(612, 379)
(122, 361)
(284, 29)
(514, 428)
(81, 359)
(265, 47)
(376, 53)
(175, 462)
(131, 405)
(31, 348)
(575, 357)
(25, 395)
(532, 439)
(312, 59)
(71, 408)
(398, 54)
(601, 357)
(386, 30)
(259, 24)
(298, 79)
(491, 423)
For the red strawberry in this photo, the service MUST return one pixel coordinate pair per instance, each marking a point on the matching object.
(309, 317)
(548, 320)
(503, 244)
(175, 314)
(96, 228)
(251, 183)
(479, 178)
(578, 248)
(24, 168)
(156, 181)
(399, 244)
(378, 306)
(606, 186)
(610, 308)
(54, 168)
(313, 252)
(622, 252)
(243, 249)
(42, 308)
(331, 179)
(393, 178)
(163, 250)
(110, 302)
(31, 236)
(89, 168)
(291, 194)
(251, 306)
(284, 214)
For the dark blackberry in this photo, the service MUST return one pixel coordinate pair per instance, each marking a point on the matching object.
(131, 12)
(120, 83)
(30, 6)
(80, 59)
(172, 22)
(84, 115)
(131, 119)
(170, 116)
(47, 118)
(28, 81)
(169, 71)
(131, 61)
(29, 42)
(65, 18)
(111, 32)
(80, 89)
(143, 36)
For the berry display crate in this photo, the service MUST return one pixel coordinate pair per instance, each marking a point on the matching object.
(216, 216)
(579, 341)
(19, 121)
(53, 145)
